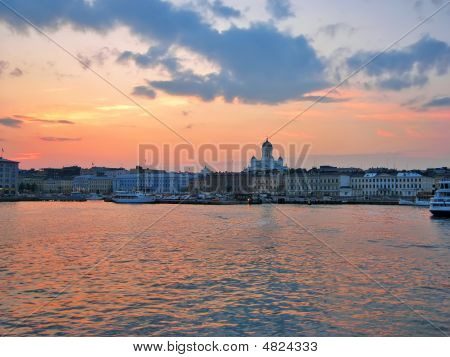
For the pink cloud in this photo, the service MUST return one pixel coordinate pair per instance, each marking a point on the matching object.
(385, 133)
(21, 156)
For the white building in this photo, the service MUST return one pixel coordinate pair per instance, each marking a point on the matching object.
(154, 181)
(267, 161)
(403, 184)
(9, 177)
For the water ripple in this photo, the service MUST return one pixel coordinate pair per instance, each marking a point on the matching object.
(221, 271)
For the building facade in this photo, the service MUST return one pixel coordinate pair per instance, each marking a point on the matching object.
(267, 182)
(153, 181)
(9, 177)
(93, 184)
(402, 184)
(57, 186)
(316, 183)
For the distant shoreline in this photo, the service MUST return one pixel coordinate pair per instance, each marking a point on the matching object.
(218, 203)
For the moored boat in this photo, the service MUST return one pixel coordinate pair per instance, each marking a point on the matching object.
(132, 197)
(440, 203)
(94, 197)
(417, 202)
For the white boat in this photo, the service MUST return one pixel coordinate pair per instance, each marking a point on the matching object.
(440, 203)
(132, 197)
(416, 202)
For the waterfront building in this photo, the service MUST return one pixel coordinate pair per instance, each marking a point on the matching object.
(410, 184)
(267, 182)
(48, 180)
(31, 181)
(324, 185)
(9, 177)
(325, 181)
(104, 171)
(30, 184)
(267, 162)
(296, 183)
(223, 183)
(56, 186)
(402, 184)
(92, 184)
(154, 181)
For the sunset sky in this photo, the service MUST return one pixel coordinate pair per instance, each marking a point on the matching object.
(229, 71)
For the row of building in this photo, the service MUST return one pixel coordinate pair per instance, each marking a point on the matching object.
(325, 181)
(318, 183)
(265, 176)
(102, 180)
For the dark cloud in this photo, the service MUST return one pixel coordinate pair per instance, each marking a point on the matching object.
(102, 55)
(98, 57)
(313, 98)
(333, 29)
(437, 2)
(412, 103)
(54, 138)
(48, 121)
(257, 64)
(155, 56)
(403, 82)
(10, 122)
(144, 91)
(17, 72)
(406, 67)
(438, 102)
(279, 9)
(222, 10)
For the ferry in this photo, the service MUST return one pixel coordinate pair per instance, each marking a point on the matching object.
(132, 197)
(440, 203)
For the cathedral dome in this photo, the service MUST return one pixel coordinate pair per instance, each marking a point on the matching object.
(266, 143)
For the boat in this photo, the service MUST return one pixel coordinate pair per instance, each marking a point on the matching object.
(94, 197)
(76, 196)
(132, 197)
(417, 202)
(440, 203)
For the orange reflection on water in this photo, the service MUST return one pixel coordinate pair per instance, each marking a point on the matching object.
(220, 270)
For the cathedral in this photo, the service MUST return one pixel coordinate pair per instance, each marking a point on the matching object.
(267, 161)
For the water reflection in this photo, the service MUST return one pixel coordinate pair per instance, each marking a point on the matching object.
(222, 270)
